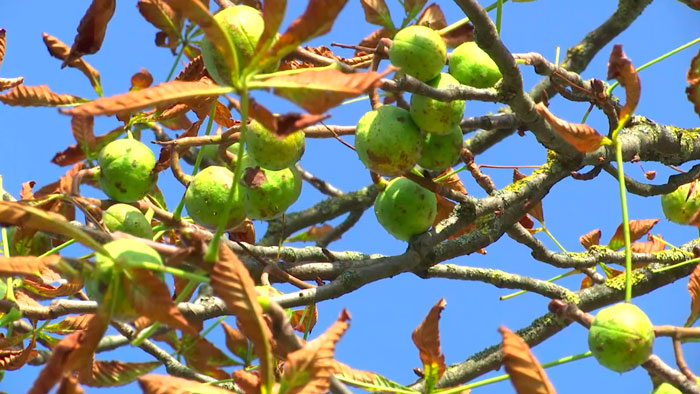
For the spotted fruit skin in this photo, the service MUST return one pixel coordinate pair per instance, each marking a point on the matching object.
(681, 205)
(206, 198)
(435, 116)
(127, 219)
(123, 253)
(441, 151)
(405, 209)
(419, 51)
(274, 195)
(387, 141)
(244, 25)
(471, 66)
(273, 152)
(126, 167)
(621, 337)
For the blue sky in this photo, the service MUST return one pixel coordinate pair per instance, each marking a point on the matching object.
(385, 313)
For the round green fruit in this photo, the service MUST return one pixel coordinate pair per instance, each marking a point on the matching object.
(387, 141)
(274, 194)
(127, 219)
(621, 337)
(405, 208)
(126, 167)
(206, 198)
(681, 205)
(435, 116)
(667, 388)
(441, 151)
(472, 66)
(123, 253)
(419, 51)
(273, 152)
(244, 25)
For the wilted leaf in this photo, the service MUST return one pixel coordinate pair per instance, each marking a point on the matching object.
(193, 71)
(116, 373)
(364, 379)
(203, 356)
(526, 373)
(304, 320)
(249, 382)
(163, 17)
(432, 16)
(372, 40)
(590, 238)
(150, 296)
(694, 289)
(199, 13)
(308, 370)
(11, 360)
(693, 89)
(582, 136)
(313, 234)
(244, 232)
(82, 127)
(413, 7)
(621, 68)
(377, 13)
(3, 44)
(71, 155)
(60, 50)
(316, 20)
(92, 28)
(38, 96)
(637, 229)
(9, 83)
(14, 213)
(284, 124)
(273, 14)
(141, 80)
(27, 192)
(320, 89)
(650, 246)
(165, 384)
(26, 265)
(231, 281)
(426, 337)
(235, 341)
(535, 210)
(70, 324)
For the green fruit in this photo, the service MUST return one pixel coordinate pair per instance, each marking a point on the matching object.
(667, 388)
(435, 116)
(472, 66)
(621, 337)
(274, 194)
(387, 141)
(273, 152)
(441, 151)
(126, 167)
(123, 253)
(419, 51)
(405, 208)
(206, 198)
(681, 205)
(37, 245)
(127, 219)
(244, 25)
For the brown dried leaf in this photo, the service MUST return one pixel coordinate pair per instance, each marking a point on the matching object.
(82, 127)
(377, 13)
(231, 281)
(71, 155)
(309, 316)
(165, 384)
(320, 89)
(60, 50)
(244, 232)
(249, 382)
(38, 96)
(316, 20)
(222, 116)
(235, 341)
(3, 44)
(693, 89)
(26, 265)
(141, 80)
(193, 71)
(92, 28)
(116, 373)
(12, 360)
(49, 291)
(590, 238)
(308, 370)
(199, 13)
(27, 193)
(652, 245)
(70, 324)
(162, 94)
(526, 373)
(273, 14)
(582, 136)
(426, 337)
(462, 34)
(432, 17)
(413, 7)
(372, 40)
(283, 124)
(694, 290)
(162, 16)
(536, 210)
(150, 296)
(621, 68)
(204, 357)
(637, 229)
(9, 83)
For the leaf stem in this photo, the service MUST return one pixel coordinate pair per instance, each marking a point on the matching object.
(625, 215)
(670, 267)
(499, 15)
(464, 21)
(58, 248)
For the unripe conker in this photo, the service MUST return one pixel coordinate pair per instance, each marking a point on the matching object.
(621, 337)
(667, 388)
(419, 51)
(127, 219)
(435, 116)
(470, 65)
(126, 167)
(681, 205)
(441, 151)
(273, 152)
(206, 198)
(405, 208)
(271, 197)
(387, 141)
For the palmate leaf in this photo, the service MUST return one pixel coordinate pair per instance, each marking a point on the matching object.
(621, 68)
(162, 94)
(526, 373)
(320, 89)
(38, 96)
(582, 136)
(426, 337)
(91, 30)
